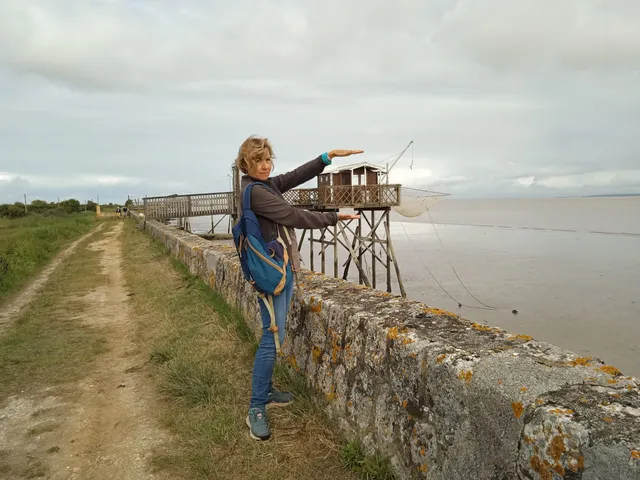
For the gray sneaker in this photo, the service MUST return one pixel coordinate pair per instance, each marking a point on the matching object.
(278, 398)
(258, 424)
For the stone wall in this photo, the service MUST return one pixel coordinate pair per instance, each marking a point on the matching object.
(443, 397)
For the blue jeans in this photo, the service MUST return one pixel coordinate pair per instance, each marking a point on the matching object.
(266, 355)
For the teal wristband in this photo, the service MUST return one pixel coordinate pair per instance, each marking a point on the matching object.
(326, 159)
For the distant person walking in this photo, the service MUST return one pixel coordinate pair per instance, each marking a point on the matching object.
(277, 220)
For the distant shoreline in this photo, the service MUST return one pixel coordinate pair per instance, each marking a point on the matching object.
(613, 195)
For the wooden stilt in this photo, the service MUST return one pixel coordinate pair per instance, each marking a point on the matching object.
(395, 263)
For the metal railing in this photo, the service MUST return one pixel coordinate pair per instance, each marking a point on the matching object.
(327, 197)
(338, 196)
(182, 206)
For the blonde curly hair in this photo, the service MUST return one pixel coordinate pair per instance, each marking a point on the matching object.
(252, 150)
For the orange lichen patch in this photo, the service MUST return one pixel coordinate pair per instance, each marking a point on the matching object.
(409, 417)
(316, 307)
(423, 451)
(349, 403)
(395, 397)
(541, 467)
(414, 432)
(525, 338)
(438, 311)
(481, 328)
(404, 404)
(635, 454)
(413, 355)
(292, 361)
(539, 401)
(315, 353)
(610, 370)
(423, 367)
(440, 358)
(332, 393)
(615, 395)
(392, 334)
(612, 381)
(561, 411)
(407, 341)
(608, 419)
(581, 361)
(465, 375)
(557, 448)
(524, 389)
(518, 409)
(500, 382)
(423, 468)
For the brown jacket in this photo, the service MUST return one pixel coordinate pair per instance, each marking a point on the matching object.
(273, 211)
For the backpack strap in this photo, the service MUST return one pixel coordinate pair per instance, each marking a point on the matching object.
(246, 197)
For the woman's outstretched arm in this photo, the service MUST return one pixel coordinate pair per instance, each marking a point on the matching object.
(307, 171)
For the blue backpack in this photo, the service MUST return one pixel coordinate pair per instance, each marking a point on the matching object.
(265, 265)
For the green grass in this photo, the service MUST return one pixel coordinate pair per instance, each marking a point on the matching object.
(202, 354)
(368, 467)
(48, 343)
(26, 244)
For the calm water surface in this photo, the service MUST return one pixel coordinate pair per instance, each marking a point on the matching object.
(570, 267)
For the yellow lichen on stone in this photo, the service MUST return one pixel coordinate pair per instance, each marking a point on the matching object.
(423, 451)
(392, 334)
(332, 393)
(292, 361)
(406, 341)
(315, 353)
(404, 404)
(423, 468)
(438, 311)
(525, 338)
(608, 419)
(610, 370)
(440, 358)
(465, 375)
(480, 327)
(581, 361)
(524, 389)
(635, 454)
(561, 411)
(413, 355)
(518, 409)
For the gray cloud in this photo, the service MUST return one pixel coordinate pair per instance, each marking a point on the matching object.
(501, 98)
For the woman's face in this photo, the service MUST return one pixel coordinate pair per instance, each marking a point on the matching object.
(262, 169)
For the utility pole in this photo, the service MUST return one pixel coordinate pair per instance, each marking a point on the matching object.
(25, 203)
(98, 199)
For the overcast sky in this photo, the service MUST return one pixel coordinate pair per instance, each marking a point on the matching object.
(150, 97)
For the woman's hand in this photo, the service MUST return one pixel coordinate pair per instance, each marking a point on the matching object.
(343, 153)
(348, 216)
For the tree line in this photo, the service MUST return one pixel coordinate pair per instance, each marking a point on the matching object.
(41, 207)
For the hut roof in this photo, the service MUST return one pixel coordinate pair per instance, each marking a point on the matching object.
(354, 166)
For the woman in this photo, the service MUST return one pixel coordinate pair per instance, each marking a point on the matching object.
(277, 218)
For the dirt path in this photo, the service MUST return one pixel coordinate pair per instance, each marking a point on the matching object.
(13, 309)
(103, 427)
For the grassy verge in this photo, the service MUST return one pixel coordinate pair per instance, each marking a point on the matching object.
(26, 244)
(48, 344)
(203, 356)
